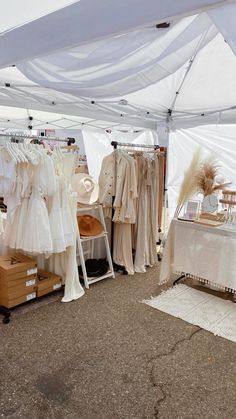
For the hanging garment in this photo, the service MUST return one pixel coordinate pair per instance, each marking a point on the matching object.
(107, 184)
(41, 216)
(67, 221)
(126, 189)
(134, 181)
(145, 244)
(37, 235)
(73, 288)
(13, 202)
(122, 248)
(152, 188)
(59, 241)
(22, 209)
(65, 263)
(142, 218)
(7, 173)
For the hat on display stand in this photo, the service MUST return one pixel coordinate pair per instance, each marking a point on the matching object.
(94, 268)
(89, 226)
(86, 187)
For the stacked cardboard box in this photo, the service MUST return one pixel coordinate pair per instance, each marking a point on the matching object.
(47, 282)
(18, 279)
(21, 281)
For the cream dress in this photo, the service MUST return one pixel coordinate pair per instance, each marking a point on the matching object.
(65, 263)
(125, 211)
(145, 234)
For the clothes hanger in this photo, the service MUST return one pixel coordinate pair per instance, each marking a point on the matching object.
(32, 153)
(61, 155)
(7, 144)
(47, 147)
(11, 147)
(57, 152)
(27, 152)
(22, 155)
(36, 151)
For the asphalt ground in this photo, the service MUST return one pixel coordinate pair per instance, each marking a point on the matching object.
(108, 355)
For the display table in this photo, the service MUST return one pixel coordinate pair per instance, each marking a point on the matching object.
(205, 253)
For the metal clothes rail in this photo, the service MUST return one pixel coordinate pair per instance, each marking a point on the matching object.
(32, 137)
(116, 144)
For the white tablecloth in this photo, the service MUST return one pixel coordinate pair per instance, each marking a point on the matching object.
(201, 252)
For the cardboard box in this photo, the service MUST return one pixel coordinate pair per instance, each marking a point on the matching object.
(12, 282)
(19, 275)
(16, 266)
(13, 300)
(47, 282)
(20, 287)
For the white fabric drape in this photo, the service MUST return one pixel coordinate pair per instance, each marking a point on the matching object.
(86, 21)
(219, 141)
(124, 63)
(206, 89)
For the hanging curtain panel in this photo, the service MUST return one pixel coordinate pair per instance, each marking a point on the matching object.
(124, 63)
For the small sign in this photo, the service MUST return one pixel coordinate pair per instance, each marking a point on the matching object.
(30, 283)
(32, 271)
(56, 286)
(30, 296)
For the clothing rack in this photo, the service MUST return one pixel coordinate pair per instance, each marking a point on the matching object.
(115, 145)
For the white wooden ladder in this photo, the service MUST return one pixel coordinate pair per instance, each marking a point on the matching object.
(82, 239)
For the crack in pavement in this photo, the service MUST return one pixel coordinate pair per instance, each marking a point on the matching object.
(159, 401)
(150, 368)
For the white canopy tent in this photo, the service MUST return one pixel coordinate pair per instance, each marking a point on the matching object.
(156, 64)
(183, 74)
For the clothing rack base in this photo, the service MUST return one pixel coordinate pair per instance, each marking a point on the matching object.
(6, 313)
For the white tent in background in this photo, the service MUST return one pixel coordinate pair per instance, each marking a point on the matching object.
(161, 64)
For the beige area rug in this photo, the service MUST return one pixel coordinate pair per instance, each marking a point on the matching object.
(198, 308)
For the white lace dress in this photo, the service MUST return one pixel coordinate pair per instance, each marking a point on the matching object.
(37, 235)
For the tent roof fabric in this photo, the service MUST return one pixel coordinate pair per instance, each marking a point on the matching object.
(16, 13)
(85, 21)
(182, 75)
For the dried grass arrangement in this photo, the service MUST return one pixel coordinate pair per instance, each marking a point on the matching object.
(206, 178)
(199, 178)
(189, 184)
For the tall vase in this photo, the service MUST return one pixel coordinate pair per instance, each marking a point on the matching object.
(210, 203)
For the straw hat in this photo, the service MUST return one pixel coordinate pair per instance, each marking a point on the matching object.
(86, 187)
(89, 226)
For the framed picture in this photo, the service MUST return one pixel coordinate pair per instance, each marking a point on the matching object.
(191, 210)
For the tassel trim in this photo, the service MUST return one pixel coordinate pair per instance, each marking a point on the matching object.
(205, 281)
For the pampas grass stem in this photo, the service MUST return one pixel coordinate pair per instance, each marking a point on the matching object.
(189, 187)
